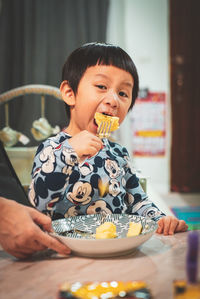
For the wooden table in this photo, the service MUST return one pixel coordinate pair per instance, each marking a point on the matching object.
(158, 261)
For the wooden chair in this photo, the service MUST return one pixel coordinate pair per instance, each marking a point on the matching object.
(22, 157)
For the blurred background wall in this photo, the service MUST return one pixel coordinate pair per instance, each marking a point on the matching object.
(36, 36)
(142, 29)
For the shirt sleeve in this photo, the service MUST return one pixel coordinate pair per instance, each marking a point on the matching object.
(136, 199)
(53, 163)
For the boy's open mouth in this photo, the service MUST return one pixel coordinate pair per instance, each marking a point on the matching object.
(104, 113)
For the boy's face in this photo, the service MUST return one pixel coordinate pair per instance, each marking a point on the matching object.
(105, 89)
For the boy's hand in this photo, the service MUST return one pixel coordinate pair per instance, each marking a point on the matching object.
(86, 144)
(169, 225)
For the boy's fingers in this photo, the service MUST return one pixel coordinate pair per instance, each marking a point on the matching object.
(160, 226)
(173, 225)
(168, 225)
(97, 143)
(182, 226)
(167, 222)
(185, 227)
(93, 150)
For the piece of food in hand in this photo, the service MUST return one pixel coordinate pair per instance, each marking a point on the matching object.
(107, 230)
(134, 229)
(100, 117)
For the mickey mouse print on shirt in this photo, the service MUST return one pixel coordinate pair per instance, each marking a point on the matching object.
(63, 187)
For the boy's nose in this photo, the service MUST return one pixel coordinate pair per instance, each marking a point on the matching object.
(112, 99)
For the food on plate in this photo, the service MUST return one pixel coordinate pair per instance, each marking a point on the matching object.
(107, 230)
(100, 117)
(134, 229)
(112, 289)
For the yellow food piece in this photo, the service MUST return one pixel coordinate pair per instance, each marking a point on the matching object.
(107, 230)
(103, 188)
(99, 117)
(134, 229)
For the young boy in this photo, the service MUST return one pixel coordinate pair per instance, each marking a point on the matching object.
(70, 167)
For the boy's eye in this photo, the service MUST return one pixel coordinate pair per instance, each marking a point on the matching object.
(101, 86)
(123, 94)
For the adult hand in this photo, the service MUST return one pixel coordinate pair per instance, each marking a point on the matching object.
(20, 234)
(169, 225)
(85, 144)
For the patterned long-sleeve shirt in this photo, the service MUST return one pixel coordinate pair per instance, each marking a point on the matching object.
(62, 186)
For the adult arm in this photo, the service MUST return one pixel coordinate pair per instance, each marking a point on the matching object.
(20, 234)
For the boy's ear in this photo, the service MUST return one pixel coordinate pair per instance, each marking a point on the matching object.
(67, 93)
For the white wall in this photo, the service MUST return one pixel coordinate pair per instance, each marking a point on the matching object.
(140, 27)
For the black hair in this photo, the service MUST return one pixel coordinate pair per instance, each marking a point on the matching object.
(91, 54)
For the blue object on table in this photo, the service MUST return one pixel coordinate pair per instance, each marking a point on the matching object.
(191, 215)
(192, 256)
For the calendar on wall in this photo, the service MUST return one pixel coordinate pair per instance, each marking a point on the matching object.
(148, 121)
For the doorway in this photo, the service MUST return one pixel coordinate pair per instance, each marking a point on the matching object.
(185, 95)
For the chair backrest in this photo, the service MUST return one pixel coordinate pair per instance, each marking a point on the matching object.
(22, 157)
(30, 89)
